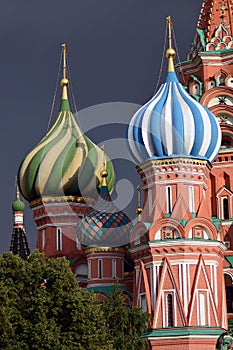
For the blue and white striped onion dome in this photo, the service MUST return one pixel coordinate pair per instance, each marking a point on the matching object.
(173, 124)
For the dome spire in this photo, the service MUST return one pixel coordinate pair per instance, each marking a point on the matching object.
(104, 173)
(170, 53)
(139, 208)
(64, 80)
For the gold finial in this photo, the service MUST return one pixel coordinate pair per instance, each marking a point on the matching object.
(17, 192)
(104, 173)
(170, 53)
(64, 81)
(17, 188)
(139, 209)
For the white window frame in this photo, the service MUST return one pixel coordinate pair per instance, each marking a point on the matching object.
(202, 303)
(168, 199)
(59, 239)
(222, 207)
(89, 269)
(114, 274)
(100, 269)
(43, 240)
(191, 199)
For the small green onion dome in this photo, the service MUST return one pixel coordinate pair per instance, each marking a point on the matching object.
(18, 205)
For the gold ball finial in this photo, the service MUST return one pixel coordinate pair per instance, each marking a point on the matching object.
(170, 53)
(138, 210)
(64, 82)
(104, 174)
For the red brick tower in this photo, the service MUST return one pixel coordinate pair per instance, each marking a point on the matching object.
(208, 75)
(105, 232)
(177, 248)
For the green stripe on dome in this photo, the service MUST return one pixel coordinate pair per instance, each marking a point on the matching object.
(65, 161)
(34, 165)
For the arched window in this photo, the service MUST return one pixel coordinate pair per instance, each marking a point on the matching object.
(169, 310)
(89, 269)
(222, 79)
(229, 298)
(202, 308)
(226, 143)
(81, 272)
(59, 239)
(100, 268)
(114, 268)
(169, 199)
(196, 89)
(191, 199)
(211, 84)
(225, 208)
(42, 239)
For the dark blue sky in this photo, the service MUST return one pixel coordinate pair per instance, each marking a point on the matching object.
(115, 50)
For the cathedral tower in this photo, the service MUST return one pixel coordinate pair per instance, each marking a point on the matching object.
(105, 232)
(208, 76)
(60, 177)
(19, 242)
(177, 248)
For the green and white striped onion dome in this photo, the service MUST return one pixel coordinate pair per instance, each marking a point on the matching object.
(65, 162)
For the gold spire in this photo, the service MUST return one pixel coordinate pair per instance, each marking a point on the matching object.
(17, 192)
(104, 173)
(139, 209)
(170, 53)
(17, 188)
(64, 81)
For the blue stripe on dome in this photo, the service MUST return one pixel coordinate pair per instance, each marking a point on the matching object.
(198, 122)
(137, 134)
(214, 134)
(156, 130)
(171, 78)
(177, 124)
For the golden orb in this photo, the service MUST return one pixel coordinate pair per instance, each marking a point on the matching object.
(138, 210)
(170, 53)
(64, 82)
(104, 173)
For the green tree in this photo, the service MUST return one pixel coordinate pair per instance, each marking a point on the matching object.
(42, 307)
(126, 323)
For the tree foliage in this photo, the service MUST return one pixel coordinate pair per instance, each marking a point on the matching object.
(126, 324)
(42, 307)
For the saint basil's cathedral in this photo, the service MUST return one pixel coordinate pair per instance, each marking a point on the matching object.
(176, 262)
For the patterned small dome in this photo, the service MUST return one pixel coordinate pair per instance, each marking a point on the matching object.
(65, 162)
(104, 225)
(173, 124)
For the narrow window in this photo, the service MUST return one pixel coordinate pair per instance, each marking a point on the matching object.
(89, 269)
(202, 309)
(169, 199)
(169, 310)
(222, 79)
(229, 298)
(191, 199)
(43, 239)
(225, 208)
(100, 268)
(59, 239)
(114, 268)
(149, 201)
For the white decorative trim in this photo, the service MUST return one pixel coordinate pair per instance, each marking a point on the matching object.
(58, 224)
